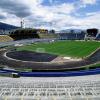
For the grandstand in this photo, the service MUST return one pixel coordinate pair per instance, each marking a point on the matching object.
(92, 34)
(98, 37)
(5, 38)
(89, 34)
(55, 88)
(72, 36)
(31, 33)
(21, 34)
(47, 35)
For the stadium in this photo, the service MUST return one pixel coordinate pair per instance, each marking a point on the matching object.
(37, 50)
(50, 50)
(36, 64)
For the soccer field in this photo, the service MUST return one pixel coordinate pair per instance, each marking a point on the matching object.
(77, 49)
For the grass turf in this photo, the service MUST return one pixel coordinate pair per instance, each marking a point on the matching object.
(77, 49)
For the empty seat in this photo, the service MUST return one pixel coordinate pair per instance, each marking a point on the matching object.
(5, 38)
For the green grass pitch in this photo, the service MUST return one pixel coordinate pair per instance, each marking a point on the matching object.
(77, 49)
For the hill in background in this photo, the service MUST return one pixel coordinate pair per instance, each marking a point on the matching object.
(4, 26)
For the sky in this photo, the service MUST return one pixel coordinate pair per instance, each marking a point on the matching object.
(51, 14)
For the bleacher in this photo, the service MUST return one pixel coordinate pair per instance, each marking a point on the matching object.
(75, 36)
(61, 88)
(81, 36)
(98, 37)
(47, 35)
(5, 38)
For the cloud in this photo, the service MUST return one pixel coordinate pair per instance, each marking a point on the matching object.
(15, 10)
(13, 7)
(46, 15)
(48, 12)
(51, 1)
(91, 21)
(88, 1)
(2, 17)
(35, 13)
(58, 16)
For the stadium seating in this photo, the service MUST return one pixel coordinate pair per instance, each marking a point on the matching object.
(61, 88)
(68, 36)
(46, 35)
(5, 38)
(98, 37)
(80, 36)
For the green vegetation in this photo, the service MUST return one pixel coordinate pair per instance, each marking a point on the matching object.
(77, 49)
(93, 66)
(29, 33)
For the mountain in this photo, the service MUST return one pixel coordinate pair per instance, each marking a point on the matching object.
(4, 26)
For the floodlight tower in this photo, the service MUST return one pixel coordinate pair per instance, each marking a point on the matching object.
(52, 24)
(22, 23)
